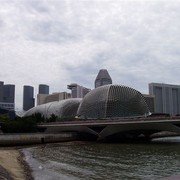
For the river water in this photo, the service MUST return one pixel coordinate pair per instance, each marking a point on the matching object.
(91, 160)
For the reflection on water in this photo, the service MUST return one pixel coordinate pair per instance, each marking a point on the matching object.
(80, 160)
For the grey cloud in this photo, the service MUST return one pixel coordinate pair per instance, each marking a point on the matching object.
(38, 6)
(50, 32)
(2, 24)
(59, 42)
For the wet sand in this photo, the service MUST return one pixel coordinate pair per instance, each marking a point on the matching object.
(4, 174)
(13, 165)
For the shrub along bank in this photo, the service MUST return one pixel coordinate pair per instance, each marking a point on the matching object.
(26, 124)
(19, 125)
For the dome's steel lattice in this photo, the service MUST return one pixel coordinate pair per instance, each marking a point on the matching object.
(113, 101)
(62, 109)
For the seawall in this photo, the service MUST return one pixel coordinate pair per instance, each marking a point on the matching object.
(35, 138)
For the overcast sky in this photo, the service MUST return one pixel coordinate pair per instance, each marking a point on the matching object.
(58, 42)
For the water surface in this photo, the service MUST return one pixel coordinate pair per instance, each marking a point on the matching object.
(85, 160)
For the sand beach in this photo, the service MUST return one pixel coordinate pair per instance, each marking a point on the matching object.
(13, 165)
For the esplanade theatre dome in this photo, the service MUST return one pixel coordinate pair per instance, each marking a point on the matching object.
(63, 108)
(112, 101)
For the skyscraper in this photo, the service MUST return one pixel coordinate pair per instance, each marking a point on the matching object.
(57, 97)
(103, 78)
(46, 98)
(43, 89)
(8, 93)
(28, 97)
(1, 90)
(7, 96)
(150, 100)
(85, 91)
(167, 98)
(77, 91)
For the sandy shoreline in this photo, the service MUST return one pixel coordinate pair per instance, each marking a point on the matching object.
(4, 174)
(13, 165)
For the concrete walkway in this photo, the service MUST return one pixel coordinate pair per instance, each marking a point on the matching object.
(35, 138)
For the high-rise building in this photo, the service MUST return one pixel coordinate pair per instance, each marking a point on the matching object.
(8, 93)
(1, 90)
(7, 96)
(41, 98)
(46, 98)
(85, 91)
(150, 100)
(43, 89)
(167, 98)
(28, 97)
(78, 91)
(103, 78)
(57, 97)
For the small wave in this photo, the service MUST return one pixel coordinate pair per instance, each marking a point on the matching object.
(68, 167)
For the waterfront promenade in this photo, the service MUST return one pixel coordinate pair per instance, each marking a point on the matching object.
(35, 138)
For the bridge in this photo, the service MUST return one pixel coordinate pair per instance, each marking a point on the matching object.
(116, 128)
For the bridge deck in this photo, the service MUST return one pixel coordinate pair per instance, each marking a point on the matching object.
(111, 122)
(105, 128)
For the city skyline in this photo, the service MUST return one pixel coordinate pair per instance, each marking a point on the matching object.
(58, 43)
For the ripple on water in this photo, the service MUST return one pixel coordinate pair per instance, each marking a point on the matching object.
(78, 160)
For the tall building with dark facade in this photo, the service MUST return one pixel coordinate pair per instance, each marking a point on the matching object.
(28, 97)
(43, 89)
(167, 98)
(1, 90)
(103, 78)
(8, 93)
(7, 96)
